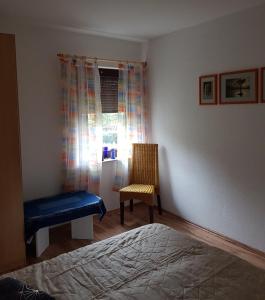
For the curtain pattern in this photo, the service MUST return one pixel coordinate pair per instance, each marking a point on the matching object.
(132, 115)
(82, 134)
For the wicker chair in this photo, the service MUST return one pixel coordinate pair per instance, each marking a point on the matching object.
(144, 179)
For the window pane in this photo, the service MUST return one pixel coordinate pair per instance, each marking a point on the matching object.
(110, 125)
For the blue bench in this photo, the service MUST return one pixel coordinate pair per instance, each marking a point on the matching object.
(45, 212)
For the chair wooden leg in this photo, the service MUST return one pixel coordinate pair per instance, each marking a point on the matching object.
(122, 212)
(131, 205)
(159, 204)
(151, 214)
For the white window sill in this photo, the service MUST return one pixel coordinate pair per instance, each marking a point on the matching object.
(109, 160)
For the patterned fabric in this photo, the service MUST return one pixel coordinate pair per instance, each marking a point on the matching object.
(139, 188)
(82, 134)
(132, 123)
(12, 289)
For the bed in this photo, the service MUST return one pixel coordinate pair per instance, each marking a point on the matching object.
(150, 262)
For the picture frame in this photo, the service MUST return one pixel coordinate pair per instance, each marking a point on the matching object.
(262, 85)
(239, 87)
(208, 89)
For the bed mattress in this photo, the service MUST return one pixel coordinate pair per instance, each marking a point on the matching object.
(150, 262)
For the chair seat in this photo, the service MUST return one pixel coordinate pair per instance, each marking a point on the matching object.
(139, 188)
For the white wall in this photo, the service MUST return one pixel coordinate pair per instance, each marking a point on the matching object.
(39, 100)
(212, 159)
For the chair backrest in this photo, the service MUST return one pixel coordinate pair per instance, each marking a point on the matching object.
(144, 168)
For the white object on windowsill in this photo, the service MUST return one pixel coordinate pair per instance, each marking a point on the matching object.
(109, 159)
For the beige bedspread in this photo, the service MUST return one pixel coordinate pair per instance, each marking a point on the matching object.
(150, 262)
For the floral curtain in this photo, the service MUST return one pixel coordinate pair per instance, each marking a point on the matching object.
(132, 114)
(82, 133)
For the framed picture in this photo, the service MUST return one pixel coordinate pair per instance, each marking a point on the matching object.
(239, 87)
(262, 84)
(208, 89)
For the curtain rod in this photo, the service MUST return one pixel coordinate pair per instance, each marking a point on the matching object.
(62, 55)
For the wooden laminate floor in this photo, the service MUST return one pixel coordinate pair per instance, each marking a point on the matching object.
(61, 242)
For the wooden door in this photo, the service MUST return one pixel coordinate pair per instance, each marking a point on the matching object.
(12, 247)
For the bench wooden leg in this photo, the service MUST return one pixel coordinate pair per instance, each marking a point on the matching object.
(151, 214)
(131, 205)
(122, 212)
(159, 204)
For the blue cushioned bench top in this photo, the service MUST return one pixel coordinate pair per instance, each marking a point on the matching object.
(61, 208)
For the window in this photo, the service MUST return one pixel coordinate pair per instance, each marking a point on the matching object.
(109, 101)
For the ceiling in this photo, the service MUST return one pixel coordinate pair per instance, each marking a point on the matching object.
(130, 19)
